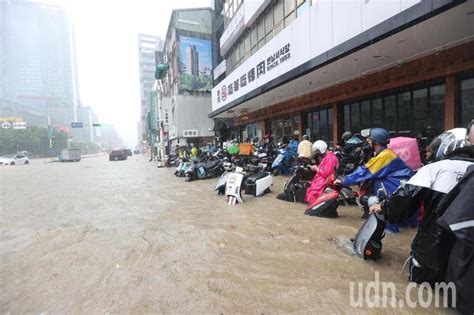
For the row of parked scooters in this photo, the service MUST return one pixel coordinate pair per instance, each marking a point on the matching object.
(249, 175)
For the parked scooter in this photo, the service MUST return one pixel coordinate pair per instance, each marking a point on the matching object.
(283, 162)
(183, 166)
(294, 190)
(255, 184)
(171, 160)
(203, 170)
(326, 204)
(368, 240)
(229, 168)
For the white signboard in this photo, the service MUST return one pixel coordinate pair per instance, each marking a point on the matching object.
(220, 69)
(325, 25)
(281, 54)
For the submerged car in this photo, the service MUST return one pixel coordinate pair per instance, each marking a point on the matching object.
(117, 155)
(14, 159)
(128, 152)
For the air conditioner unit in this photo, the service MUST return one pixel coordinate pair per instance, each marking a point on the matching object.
(190, 133)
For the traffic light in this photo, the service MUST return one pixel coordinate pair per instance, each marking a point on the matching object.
(161, 71)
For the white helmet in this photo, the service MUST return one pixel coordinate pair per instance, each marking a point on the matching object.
(320, 146)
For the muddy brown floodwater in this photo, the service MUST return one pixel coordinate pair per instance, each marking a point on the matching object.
(120, 237)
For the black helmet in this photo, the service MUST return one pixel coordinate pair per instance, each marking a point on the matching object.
(447, 142)
(346, 136)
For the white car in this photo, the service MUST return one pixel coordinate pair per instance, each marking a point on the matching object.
(14, 159)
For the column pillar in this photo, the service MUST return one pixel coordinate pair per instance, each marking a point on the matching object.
(335, 125)
(450, 102)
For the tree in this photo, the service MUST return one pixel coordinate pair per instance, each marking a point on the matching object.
(34, 139)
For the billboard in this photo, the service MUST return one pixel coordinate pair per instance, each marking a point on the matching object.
(195, 57)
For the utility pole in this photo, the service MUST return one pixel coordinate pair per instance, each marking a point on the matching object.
(50, 136)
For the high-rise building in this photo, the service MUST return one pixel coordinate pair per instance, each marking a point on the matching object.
(184, 94)
(37, 59)
(148, 46)
(192, 60)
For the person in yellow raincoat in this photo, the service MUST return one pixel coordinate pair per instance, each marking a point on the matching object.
(194, 151)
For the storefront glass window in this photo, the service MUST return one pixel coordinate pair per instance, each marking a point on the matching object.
(287, 125)
(407, 113)
(323, 127)
(390, 115)
(347, 117)
(355, 118)
(365, 115)
(420, 110)
(404, 115)
(296, 124)
(315, 126)
(377, 112)
(436, 108)
(467, 101)
(320, 125)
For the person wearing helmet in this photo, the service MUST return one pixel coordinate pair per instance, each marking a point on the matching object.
(351, 153)
(268, 145)
(345, 137)
(428, 188)
(194, 151)
(385, 169)
(305, 148)
(326, 168)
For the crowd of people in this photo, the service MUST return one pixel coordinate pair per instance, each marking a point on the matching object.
(438, 198)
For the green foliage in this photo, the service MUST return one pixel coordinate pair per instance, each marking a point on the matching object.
(201, 83)
(33, 139)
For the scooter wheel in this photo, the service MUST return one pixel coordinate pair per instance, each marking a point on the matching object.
(276, 172)
(187, 178)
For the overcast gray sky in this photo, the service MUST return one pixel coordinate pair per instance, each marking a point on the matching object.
(107, 49)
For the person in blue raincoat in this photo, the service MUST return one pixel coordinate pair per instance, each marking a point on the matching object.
(385, 169)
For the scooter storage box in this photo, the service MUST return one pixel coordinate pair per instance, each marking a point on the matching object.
(254, 183)
(245, 148)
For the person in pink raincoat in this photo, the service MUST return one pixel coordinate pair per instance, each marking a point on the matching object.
(326, 168)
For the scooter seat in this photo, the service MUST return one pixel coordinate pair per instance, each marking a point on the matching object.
(253, 168)
(254, 177)
(211, 164)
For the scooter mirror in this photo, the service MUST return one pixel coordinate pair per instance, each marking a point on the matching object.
(365, 132)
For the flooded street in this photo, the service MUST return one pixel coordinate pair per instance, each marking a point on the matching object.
(120, 237)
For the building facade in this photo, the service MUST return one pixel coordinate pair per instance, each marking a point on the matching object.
(297, 67)
(149, 47)
(184, 95)
(37, 59)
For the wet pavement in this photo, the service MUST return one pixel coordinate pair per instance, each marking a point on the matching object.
(120, 237)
